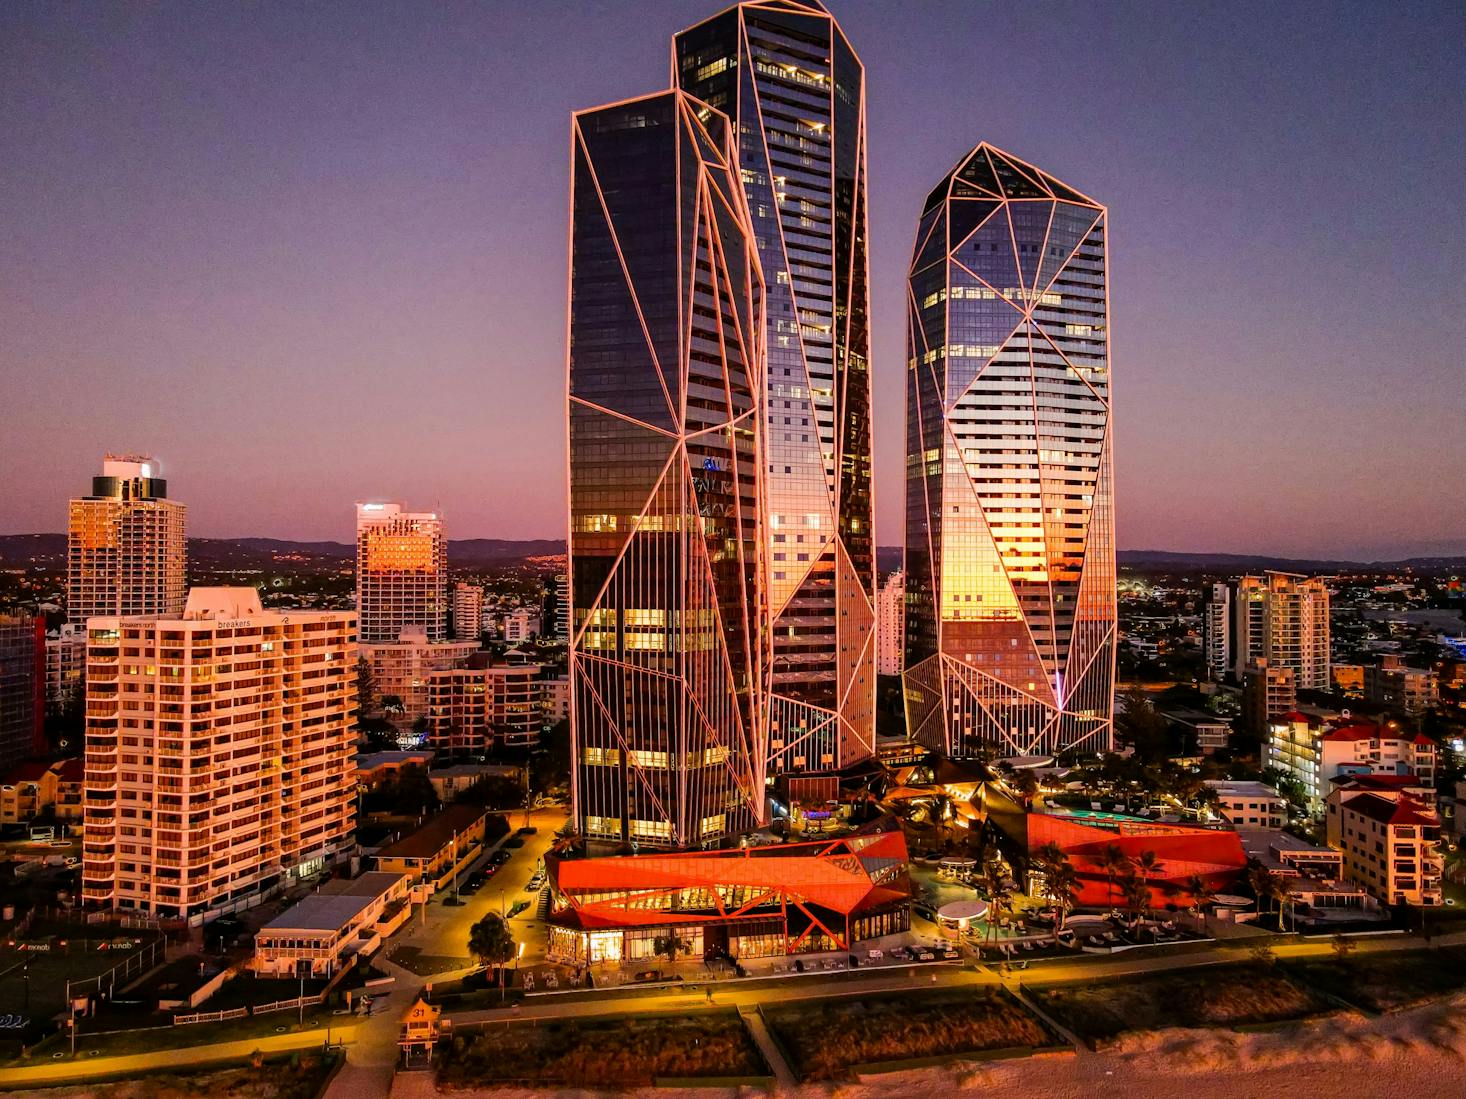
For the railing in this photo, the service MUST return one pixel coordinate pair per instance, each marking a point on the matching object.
(210, 1016)
(283, 1005)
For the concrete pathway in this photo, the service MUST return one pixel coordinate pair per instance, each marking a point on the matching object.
(758, 1030)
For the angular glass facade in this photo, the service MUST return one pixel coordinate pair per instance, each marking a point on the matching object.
(1010, 548)
(784, 73)
(669, 637)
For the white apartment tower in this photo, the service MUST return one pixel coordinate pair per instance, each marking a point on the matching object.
(401, 573)
(1216, 629)
(468, 611)
(126, 544)
(218, 752)
(890, 623)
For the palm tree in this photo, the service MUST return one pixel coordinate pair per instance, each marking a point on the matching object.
(1136, 891)
(1114, 861)
(1061, 882)
(1202, 894)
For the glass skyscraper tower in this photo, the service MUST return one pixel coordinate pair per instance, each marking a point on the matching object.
(669, 636)
(1010, 548)
(785, 75)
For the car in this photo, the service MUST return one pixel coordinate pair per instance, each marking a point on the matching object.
(926, 956)
(500, 857)
(535, 884)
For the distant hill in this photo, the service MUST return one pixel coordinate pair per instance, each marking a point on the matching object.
(49, 551)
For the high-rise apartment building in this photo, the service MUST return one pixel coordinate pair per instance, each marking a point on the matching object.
(218, 752)
(126, 544)
(784, 73)
(667, 659)
(66, 658)
(22, 688)
(1216, 631)
(1010, 550)
(1283, 618)
(401, 572)
(401, 669)
(473, 707)
(891, 623)
(1267, 691)
(468, 611)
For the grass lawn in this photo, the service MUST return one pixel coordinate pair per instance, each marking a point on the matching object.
(1098, 1011)
(827, 1038)
(601, 1053)
(1388, 982)
(296, 1076)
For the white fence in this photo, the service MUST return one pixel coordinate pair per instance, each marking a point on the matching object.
(210, 1016)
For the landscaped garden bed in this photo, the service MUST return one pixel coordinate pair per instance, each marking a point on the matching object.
(829, 1039)
(1387, 981)
(602, 1053)
(1230, 996)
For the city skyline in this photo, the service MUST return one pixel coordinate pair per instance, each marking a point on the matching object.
(269, 271)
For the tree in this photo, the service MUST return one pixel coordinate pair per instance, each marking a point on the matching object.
(1136, 891)
(1343, 947)
(1025, 785)
(1061, 882)
(672, 944)
(1113, 861)
(366, 687)
(491, 943)
(1201, 892)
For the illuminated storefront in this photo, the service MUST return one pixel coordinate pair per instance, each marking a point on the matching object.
(759, 902)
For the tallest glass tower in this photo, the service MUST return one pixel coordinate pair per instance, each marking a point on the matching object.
(787, 78)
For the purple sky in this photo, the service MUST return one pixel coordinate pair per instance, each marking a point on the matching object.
(311, 253)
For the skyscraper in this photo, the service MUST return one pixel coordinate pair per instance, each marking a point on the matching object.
(468, 611)
(1010, 555)
(785, 74)
(401, 573)
(22, 688)
(1283, 619)
(1216, 630)
(126, 544)
(891, 624)
(667, 656)
(218, 752)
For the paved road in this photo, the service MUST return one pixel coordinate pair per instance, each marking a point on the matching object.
(443, 932)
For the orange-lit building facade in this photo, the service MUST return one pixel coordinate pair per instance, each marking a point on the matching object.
(1010, 548)
(126, 544)
(794, 89)
(668, 655)
(218, 753)
(401, 573)
(1214, 855)
(754, 903)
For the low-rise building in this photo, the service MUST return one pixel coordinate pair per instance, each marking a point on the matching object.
(520, 626)
(1314, 753)
(324, 931)
(1208, 732)
(450, 782)
(1250, 804)
(1391, 683)
(376, 767)
(1389, 844)
(449, 839)
(1348, 679)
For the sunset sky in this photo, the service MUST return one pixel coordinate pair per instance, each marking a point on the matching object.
(313, 253)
